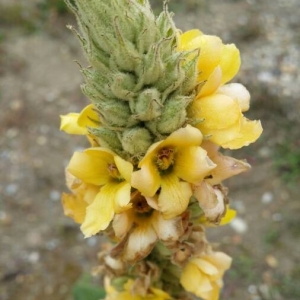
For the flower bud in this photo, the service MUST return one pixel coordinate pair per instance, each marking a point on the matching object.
(108, 138)
(115, 113)
(148, 105)
(152, 67)
(123, 85)
(173, 116)
(136, 140)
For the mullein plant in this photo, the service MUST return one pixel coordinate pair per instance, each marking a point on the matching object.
(151, 180)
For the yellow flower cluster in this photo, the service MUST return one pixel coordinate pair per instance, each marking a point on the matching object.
(220, 106)
(151, 199)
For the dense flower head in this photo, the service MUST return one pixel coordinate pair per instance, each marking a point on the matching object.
(152, 180)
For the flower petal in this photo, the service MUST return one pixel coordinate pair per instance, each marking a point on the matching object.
(222, 136)
(238, 92)
(167, 230)
(230, 62)
(88, 117)
(122, 197)
(226, 167)
(146, 180)
(192, 164)
(194, 281)
(212, 84)
(219, 111)
(124, 167)
(205, 266)
(249, 133)
(210, 54)
(186, 39)
(74, 207)
(183, 137)
(69, 124)
(122, 223)
(229, 216)
(211, 201)
(90, 168)
(174, 196)
(213, 294)
(140, 242)
(211, 49)
(101, 211)
(221, 260)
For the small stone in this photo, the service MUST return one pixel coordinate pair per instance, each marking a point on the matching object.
(277, 217)
(54, 195)
(92, 241)
(239, 206)
(41, 140)
(272, 261)
(34, 257)
(265, 152)
(34, 239)
(12, 133)
(49, 290)
(16, 105)
(239, 225)
(38, 163)
(267, 198)
(264, 290)
(5, 219)
(252, 289)
(50, 97)
(266, 77)
(51, 245)
(11, 189)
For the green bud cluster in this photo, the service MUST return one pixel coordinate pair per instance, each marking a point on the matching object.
(138, 81)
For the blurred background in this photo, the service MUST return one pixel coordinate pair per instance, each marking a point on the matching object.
(43, 253)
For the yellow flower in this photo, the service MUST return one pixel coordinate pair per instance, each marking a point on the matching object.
(127, 294)
(213, 53)
(77, 123)
(202, 275)
(166, 163)
(83, 194)
(140, 227)
(112, 174)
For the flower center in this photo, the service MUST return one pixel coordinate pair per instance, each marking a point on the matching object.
(165, 158)
(140, 204)
(114, 172)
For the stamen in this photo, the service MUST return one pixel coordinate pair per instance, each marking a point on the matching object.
(165, 158)
(113, 171)
(140, 204)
